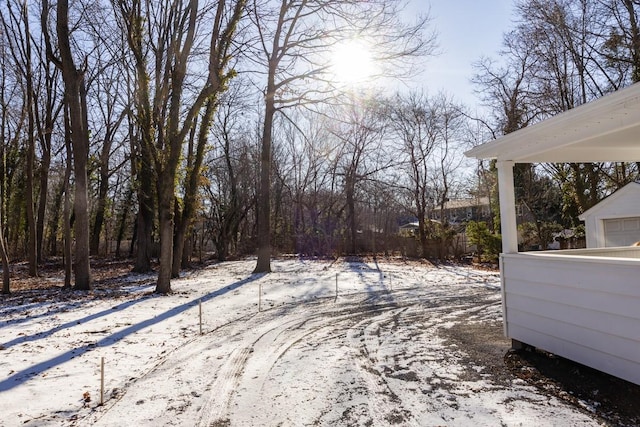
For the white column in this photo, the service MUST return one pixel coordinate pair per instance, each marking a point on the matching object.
(507, 207)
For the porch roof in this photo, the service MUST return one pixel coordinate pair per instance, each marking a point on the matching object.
(606, 129)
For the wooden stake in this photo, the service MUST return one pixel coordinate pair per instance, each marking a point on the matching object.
(102, 381)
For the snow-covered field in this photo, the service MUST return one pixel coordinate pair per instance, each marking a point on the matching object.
(385, 349)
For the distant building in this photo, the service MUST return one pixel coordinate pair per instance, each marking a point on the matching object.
(459, 211)
(409, 229)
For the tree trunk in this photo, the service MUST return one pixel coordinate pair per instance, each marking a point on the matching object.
(31, 154)
(30, 211)
(221, 250)
(3, 247)
(422, 235)
(45, 130)
(123, 221)
(143, 169)
(351, 212)
(178, 239)
(68, 256)
(74, 93)
(184, 221)
(5, 265)
(54, 220)
(143, 237)
(3, 179)
(263, 213)
(187, 250)
(165, 213)
(42, 201)
(101, 202)
(67, 204)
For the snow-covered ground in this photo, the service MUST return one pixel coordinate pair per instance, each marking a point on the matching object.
(380, 351)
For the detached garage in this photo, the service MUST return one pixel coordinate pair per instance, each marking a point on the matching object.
(615, 221)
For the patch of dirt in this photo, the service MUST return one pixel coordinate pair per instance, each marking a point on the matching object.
(484, 346)
(51, 274)
(611, 399)
(110, 280)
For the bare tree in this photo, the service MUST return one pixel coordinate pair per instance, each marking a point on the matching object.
(13, 124)
(174, 112)
(360, 130)
(3, 137)
(415, 123)
(428, 129)
(66, 216)
(20, 46)
(230, 172)
(111, 109)
(295, 40)
(195, 156)
(141, 135)
(618, 34)
(450, 126)
(305, 163)
(46, 122)
(75, 99)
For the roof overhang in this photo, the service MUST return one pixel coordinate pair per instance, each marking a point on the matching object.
(604, 130)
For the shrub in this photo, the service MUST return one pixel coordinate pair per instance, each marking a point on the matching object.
(489, 245)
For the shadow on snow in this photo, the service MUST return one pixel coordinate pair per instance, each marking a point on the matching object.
(23, 376)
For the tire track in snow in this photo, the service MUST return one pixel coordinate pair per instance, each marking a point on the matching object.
(243, 387)
(385, 372)
(238, 389)
(223, 387)
(169, 364)
(254, 344)
(384, 405)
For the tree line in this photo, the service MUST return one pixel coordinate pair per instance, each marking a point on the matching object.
(153, 130)
(135, 121)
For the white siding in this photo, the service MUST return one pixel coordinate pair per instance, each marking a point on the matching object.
(624, 252)
(584, 308)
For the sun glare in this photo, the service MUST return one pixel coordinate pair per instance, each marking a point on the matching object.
(352, 62)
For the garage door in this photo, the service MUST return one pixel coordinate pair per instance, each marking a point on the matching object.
(621, 231)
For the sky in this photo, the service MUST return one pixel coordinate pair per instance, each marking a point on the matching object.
(467, 30)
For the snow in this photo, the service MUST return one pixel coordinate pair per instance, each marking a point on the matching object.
(374, 354)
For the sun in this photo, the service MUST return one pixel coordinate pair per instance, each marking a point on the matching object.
(352, 62)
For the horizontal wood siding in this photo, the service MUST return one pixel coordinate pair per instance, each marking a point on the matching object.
(586, 309)
(619, 252)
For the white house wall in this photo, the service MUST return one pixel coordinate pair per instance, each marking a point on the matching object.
(594, 232)
(568, 305)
